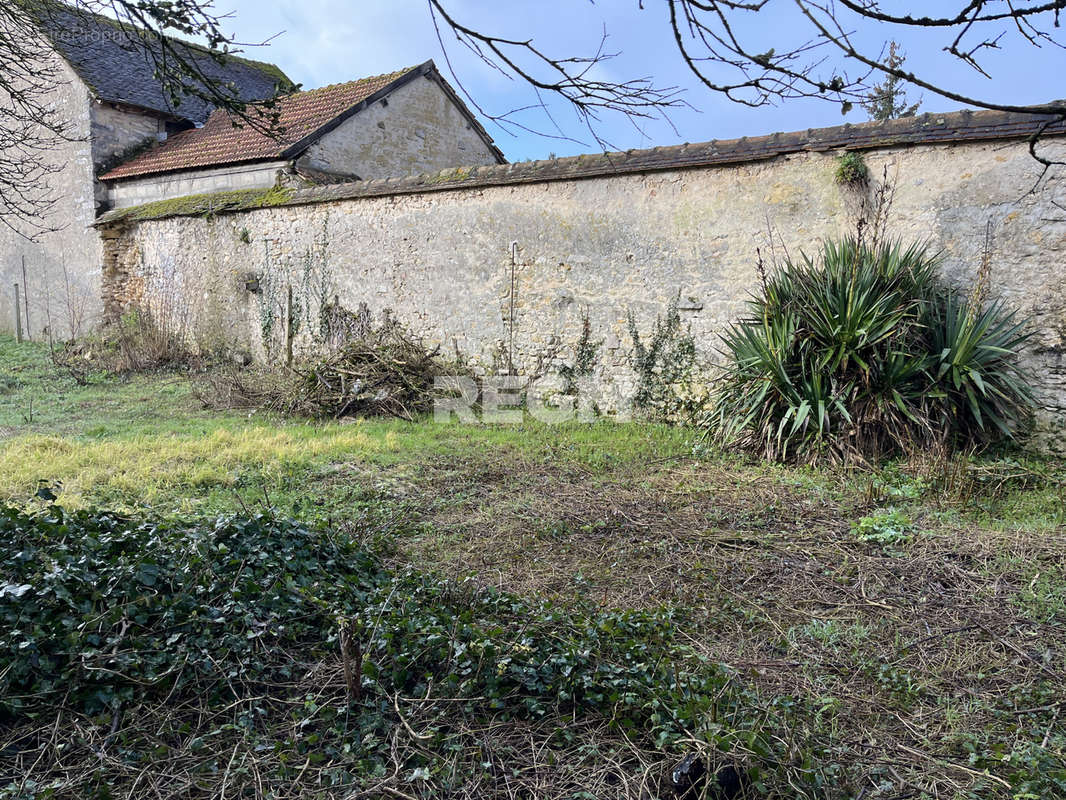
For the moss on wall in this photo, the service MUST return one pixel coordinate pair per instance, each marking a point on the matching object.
(204, 205)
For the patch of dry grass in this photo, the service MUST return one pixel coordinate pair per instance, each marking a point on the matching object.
(150, 469)
(928, 657)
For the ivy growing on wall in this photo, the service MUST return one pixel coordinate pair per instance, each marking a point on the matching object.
(586, 353)
(666, 366)
(317, 284)
(310, 277)
(270, 302)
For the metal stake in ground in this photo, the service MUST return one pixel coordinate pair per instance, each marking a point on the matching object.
(26, 299)
(289, 327)
(18, 317)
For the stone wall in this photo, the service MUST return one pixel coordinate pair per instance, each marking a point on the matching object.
(416, 128)
(62, 265)
(136, 191)
(574, 238)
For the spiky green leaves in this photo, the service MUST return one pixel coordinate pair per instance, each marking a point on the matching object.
(864, 352)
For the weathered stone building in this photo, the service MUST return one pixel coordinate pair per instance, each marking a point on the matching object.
(112, 104)
(130, 143)
(501, 263)
(388, 125)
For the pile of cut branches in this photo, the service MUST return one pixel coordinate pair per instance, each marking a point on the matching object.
(385, 372)
(378, 371)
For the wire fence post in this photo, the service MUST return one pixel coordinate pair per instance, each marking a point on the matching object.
(289, 327)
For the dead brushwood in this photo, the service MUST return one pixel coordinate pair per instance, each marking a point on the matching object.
(480, 757)
(141, 341)
(379, 371)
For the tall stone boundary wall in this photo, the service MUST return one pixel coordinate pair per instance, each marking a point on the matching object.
(501, 264)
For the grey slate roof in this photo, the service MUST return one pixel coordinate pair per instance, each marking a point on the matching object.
(118, 71)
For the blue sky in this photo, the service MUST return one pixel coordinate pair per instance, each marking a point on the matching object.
(330, 41)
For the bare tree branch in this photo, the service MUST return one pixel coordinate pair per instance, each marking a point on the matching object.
(728, 47)
(573, 78)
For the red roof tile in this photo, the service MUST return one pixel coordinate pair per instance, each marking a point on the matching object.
(220, 142)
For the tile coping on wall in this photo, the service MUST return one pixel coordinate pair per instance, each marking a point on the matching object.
(958, 126)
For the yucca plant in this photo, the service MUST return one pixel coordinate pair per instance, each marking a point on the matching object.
(865, 351)
(982, 389)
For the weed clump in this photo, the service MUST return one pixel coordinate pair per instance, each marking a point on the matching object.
(851, 170)
(886, 527)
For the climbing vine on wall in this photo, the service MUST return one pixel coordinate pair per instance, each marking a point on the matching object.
(666, 366)
(309, 276)
(586, 353)
(317, 284)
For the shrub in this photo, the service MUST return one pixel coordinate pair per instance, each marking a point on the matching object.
(865, 353)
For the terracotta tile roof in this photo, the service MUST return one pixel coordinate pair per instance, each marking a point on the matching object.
(303, 116)
(927, 129)
(102, 53)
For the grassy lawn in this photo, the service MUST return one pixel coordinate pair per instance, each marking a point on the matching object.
(917, 614)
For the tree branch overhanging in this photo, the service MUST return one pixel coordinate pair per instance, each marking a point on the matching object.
(572, 78)
(819, 54)
(150, 27)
